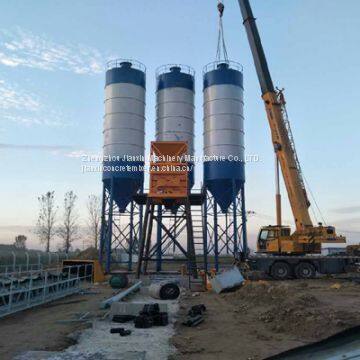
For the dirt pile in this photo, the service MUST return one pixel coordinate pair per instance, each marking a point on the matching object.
(289, 308)
(264, 318)
(88, 254)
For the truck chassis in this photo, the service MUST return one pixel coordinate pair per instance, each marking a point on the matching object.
(282, 267)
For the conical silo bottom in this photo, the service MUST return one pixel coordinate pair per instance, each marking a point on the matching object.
(224, 180)
(123, 191)
(224, 191)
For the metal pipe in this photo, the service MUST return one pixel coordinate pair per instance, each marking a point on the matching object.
(277, 191)
(118, 297)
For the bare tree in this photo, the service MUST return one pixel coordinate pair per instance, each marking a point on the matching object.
(20, 242)
(94, 216)
(45, 226)
(69, 229)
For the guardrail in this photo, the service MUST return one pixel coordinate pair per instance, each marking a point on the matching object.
(19, 262)
(214, 65)
(20, 292)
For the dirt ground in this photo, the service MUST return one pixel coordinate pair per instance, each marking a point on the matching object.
(37, 328)
(260, 319)
(264, 318)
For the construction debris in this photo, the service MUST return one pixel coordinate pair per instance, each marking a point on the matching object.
(197, 310)
(151, 316)
(193, 321)
(195, 315)
(122, 318)
(164, 290)
(131, 309)
(227, 280)
(77, 318)
(335, 286)
(118, 297)
(119, 281)
(121, 331)
(143, 322)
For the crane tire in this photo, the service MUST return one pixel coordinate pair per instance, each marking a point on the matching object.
(305, 270)
(280, 270)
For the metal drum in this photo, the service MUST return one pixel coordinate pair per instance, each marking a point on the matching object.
(175, 107)
(124, 125)
(224, 169)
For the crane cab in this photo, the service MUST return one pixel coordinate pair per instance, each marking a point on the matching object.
(278, 240)
(273, 238)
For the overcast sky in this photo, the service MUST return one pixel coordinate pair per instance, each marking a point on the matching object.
(52, 60)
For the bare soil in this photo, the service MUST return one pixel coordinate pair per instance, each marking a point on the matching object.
(264, 318)
(38, 329)
(260, 319)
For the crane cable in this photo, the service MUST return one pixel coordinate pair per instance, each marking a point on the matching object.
(315, 202)
(221, 46)
(303, 180)
(221, 50)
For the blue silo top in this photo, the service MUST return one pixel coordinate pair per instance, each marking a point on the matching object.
(175, 78)
(125, 73)
(223, 74)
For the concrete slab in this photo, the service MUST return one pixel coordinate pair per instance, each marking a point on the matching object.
(98, 344)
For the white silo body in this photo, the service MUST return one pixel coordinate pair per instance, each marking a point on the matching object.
(224, 131)
(124, 129)
(175, 106)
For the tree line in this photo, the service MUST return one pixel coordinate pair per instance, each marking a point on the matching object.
(64, 222)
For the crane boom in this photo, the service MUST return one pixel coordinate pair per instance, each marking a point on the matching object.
(279, 125)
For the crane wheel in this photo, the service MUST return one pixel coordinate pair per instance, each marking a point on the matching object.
(305, 270)
(280, 270)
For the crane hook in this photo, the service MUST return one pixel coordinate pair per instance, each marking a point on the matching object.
(221, 8)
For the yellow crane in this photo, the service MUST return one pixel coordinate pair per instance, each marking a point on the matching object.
(278, 239)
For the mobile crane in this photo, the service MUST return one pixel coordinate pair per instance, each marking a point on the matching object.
(289, 250)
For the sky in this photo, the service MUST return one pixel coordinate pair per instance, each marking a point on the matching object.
(52, 66)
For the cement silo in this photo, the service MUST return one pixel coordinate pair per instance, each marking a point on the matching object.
(124, 135)
(224, 169)
(175, 106)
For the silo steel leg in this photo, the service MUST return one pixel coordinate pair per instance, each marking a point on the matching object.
(142, 240)
(216, 240)
(110, 226)
(243, 218)
(158, 239)
(131, 235)
(190, 241)
(227, 237)
(235, 231)
(148, 236)
(205, 233)
(103, 227)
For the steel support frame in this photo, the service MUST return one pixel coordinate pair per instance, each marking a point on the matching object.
(225, 232)
(119, 231)
(169, 228)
